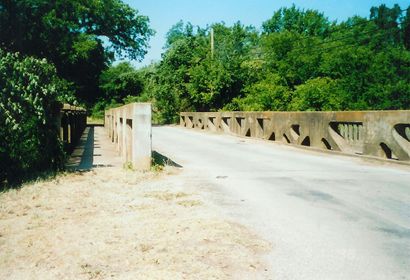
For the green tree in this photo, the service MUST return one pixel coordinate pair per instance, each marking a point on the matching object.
(269, 94)
(406, 29)
(387, 19)
(79, 37)
(30, 92)
(120, 81)
(300, 61)
(307, 22)
(319, 94)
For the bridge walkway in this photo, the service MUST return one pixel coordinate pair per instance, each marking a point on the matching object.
(94, 150)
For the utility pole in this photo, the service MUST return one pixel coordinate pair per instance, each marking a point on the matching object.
(212, 43)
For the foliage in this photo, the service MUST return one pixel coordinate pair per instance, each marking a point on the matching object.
(300, 61)
(190, 77)
(29, 103)
(309, 22)
(97, 111)
(269, 94)
(79, 37)
(119, 81)
(318, 94)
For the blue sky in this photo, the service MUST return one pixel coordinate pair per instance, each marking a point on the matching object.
(164, 14)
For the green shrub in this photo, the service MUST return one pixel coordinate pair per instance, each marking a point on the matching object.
(270, 94)
(30, 92)
(98, 110)
(319, 94)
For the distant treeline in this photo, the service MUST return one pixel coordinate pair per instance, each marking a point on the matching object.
(298, 60)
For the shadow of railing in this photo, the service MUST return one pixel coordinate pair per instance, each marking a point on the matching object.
(163, 160)
(83, 156)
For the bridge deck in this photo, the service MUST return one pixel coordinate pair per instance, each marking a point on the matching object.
(94, 150)
(327, 216)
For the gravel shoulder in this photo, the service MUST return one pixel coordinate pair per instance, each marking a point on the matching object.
(109, 223)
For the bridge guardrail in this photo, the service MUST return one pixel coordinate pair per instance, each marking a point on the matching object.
(72, 121)
(382, 134)
(129, 127)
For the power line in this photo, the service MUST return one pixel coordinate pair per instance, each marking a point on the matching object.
(367, 21)
(336, 39)
(341, 39)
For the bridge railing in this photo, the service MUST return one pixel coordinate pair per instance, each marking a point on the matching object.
(72, 121)
(129, 127)
(383, 134)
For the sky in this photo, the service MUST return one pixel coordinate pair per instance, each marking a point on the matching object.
(163, 14)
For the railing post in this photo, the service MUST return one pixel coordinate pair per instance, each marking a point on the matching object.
(119, 128)
(124, 134)
(141, 135)
(129, 127)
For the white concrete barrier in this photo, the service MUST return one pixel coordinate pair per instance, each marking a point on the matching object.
(129, 127)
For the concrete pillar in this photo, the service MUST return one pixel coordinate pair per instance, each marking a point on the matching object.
(69, 128)
(129, 146)
(108, 124)
(112, 127)
(65, 129)
(124, 134)
(350, 135)
(141, 136)
(73, 128)
(119, 128)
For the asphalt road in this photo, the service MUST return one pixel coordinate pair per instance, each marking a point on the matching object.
(327, 216)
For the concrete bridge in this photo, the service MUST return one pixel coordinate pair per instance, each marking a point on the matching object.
(327, 215)
(381, 134)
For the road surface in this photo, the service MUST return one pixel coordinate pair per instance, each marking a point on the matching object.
(327, 216)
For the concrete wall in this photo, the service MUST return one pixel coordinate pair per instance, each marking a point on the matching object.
(129, 127)
(384, 134)
(72, 121)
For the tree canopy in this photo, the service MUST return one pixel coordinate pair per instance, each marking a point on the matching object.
(29, 94)
(298, 60)
(81, 38)
(53, 52)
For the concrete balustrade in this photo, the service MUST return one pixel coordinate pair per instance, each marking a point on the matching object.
(129, 127)
(72, 121)
(382, 134)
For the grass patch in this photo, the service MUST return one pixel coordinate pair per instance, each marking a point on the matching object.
(165, 196)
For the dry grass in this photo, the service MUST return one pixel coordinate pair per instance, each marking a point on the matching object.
(113, 224)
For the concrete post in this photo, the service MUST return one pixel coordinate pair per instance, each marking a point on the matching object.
(119, 127)
(124, 134)
(130, 128)
(141, 135)
(69, 128)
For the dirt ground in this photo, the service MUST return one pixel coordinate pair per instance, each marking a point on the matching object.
(115, 224)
